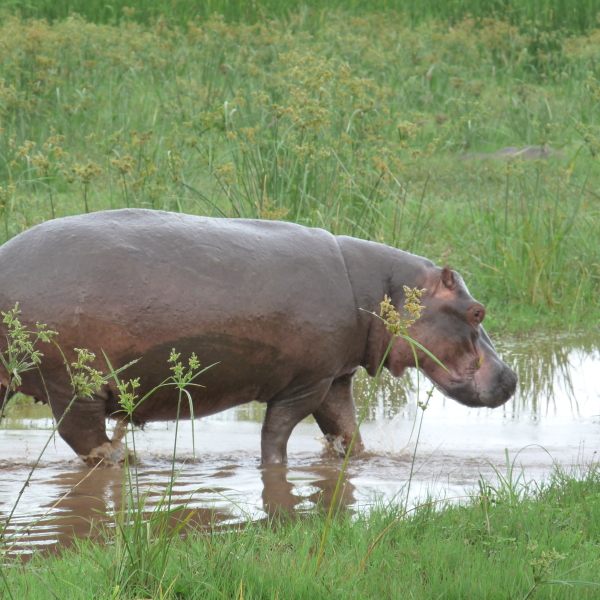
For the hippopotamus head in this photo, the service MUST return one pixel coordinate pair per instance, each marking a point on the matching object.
(451, 328)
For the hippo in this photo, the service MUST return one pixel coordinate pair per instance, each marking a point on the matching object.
(282, 312)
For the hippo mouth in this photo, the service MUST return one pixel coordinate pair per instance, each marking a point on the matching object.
(464, 378)
(476, 388)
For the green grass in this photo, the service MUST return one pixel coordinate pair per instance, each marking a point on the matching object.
(496, 548)
(353, 122)
(547, 14)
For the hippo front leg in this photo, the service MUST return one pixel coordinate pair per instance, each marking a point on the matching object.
(284, 412)
(82, 424)
(83, 427)
(336, 415)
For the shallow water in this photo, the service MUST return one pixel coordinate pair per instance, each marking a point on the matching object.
(554, 417)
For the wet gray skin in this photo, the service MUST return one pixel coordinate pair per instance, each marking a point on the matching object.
(281, 310)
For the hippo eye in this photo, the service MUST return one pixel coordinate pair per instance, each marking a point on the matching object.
(478, 314)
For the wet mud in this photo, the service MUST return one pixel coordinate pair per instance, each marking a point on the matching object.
(554, 418)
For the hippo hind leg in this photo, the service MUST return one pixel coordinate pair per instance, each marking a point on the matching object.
(284, 412)
(336, 415)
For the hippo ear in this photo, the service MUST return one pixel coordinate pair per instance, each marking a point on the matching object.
(448, 278)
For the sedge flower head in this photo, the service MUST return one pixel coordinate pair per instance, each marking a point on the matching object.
(397, 323)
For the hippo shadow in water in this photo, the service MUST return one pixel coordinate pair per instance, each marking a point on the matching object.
(86, 507)
(279, 499)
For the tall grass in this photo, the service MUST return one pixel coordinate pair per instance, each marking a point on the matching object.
(548, 14)
(144, 537)
(357, 124)
(361, 127)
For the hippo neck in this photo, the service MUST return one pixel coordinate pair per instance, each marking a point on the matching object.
(375, 270)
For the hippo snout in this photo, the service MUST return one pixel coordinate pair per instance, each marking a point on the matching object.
(489, 387)
(502, 391)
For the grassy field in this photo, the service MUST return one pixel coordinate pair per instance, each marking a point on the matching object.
(543, 14)
(355, 122)
(519, 542)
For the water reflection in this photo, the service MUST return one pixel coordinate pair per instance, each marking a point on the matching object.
(550, 370)
(84, 504)
(554, 415)
(281, 496)
(80, 503)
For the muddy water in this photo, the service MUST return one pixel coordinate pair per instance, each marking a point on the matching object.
(555, 417)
